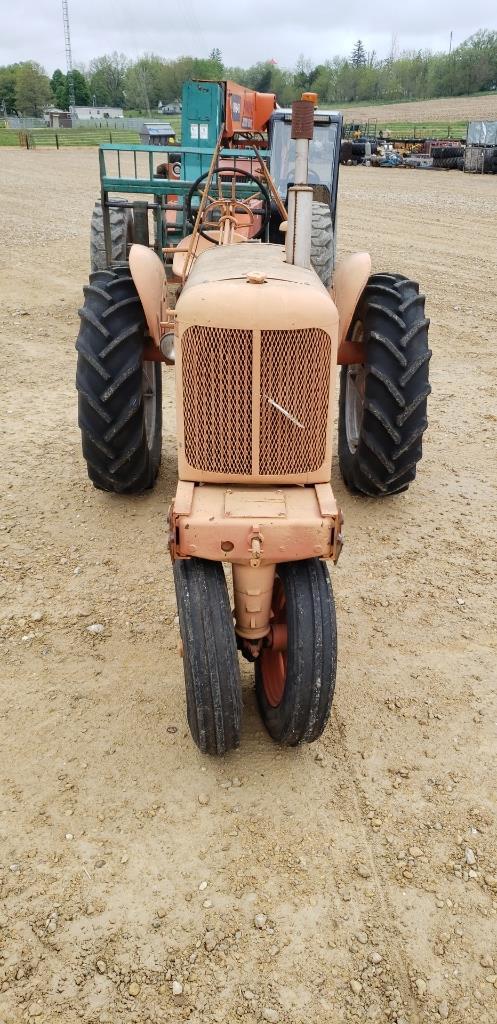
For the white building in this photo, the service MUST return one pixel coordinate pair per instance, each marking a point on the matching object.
(97, 113)
(169, 108)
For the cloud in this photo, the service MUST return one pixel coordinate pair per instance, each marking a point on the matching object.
(246, 31)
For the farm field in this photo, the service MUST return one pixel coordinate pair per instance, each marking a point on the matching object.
(448, 109)
(354, 880)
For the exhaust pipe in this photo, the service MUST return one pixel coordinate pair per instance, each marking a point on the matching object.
(298, 236)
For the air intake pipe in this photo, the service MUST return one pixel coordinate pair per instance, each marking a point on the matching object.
(298, 236)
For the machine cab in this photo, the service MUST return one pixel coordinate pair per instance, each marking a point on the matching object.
(324, 155)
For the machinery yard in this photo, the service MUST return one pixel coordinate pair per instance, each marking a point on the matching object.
(351, 880)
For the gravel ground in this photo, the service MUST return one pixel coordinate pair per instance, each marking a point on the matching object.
(354, 880)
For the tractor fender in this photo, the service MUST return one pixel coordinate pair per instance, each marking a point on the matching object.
(349, 281)
(149, 277)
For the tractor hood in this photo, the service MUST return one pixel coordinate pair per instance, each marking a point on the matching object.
(249, 286)
(255, 369)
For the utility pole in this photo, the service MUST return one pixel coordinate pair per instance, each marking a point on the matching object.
(67, 40)
(451, 66)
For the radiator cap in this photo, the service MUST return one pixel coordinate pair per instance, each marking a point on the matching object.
(253, 277)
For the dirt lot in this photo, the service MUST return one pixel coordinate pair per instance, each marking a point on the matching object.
(372, 855)
(456, 108)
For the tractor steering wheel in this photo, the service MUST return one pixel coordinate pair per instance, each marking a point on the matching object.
(223, 206)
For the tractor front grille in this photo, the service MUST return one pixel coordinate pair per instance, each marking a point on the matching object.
(291, 414)
(217, 399)
(295, 374)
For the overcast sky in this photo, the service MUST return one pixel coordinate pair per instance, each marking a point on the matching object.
(245, 30)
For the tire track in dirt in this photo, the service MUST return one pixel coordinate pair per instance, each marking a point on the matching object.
(386, 910)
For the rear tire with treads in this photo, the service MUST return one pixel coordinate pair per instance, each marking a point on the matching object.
(121, 233)
(382, 406)
(119, 395)
(322, 242)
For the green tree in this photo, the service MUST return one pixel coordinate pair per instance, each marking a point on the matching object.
(327, 81)
(210, 69)
(60, 88)
(439, 75)
(33, 91)
(142, 83)
(474, 63)
(106, 77)
(81, 89)
(216, 64)
(358, 56)
(8, 97)
(112, 79)
(304, 73)
(259, 77)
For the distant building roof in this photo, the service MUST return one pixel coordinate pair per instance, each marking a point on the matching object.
(159, 128)
(99, 109)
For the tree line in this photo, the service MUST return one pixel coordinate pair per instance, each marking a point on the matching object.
(114, 80)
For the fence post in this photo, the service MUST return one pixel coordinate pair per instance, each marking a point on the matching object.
(56, 140)
(110, 136)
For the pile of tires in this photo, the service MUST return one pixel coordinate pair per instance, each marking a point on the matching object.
(447, 152)
(345, 151)
(354, 151)
(359, 149)
(453, 163)
(450, 158)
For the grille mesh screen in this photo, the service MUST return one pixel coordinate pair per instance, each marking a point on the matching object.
(295, 374)
(217, 399)
(217, 368)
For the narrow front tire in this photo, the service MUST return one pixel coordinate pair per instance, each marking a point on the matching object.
(295, 686)
(210, 658)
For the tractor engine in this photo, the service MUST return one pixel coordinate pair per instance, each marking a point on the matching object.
(256, 341)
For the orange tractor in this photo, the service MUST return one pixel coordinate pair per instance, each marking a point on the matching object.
(238, 291)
